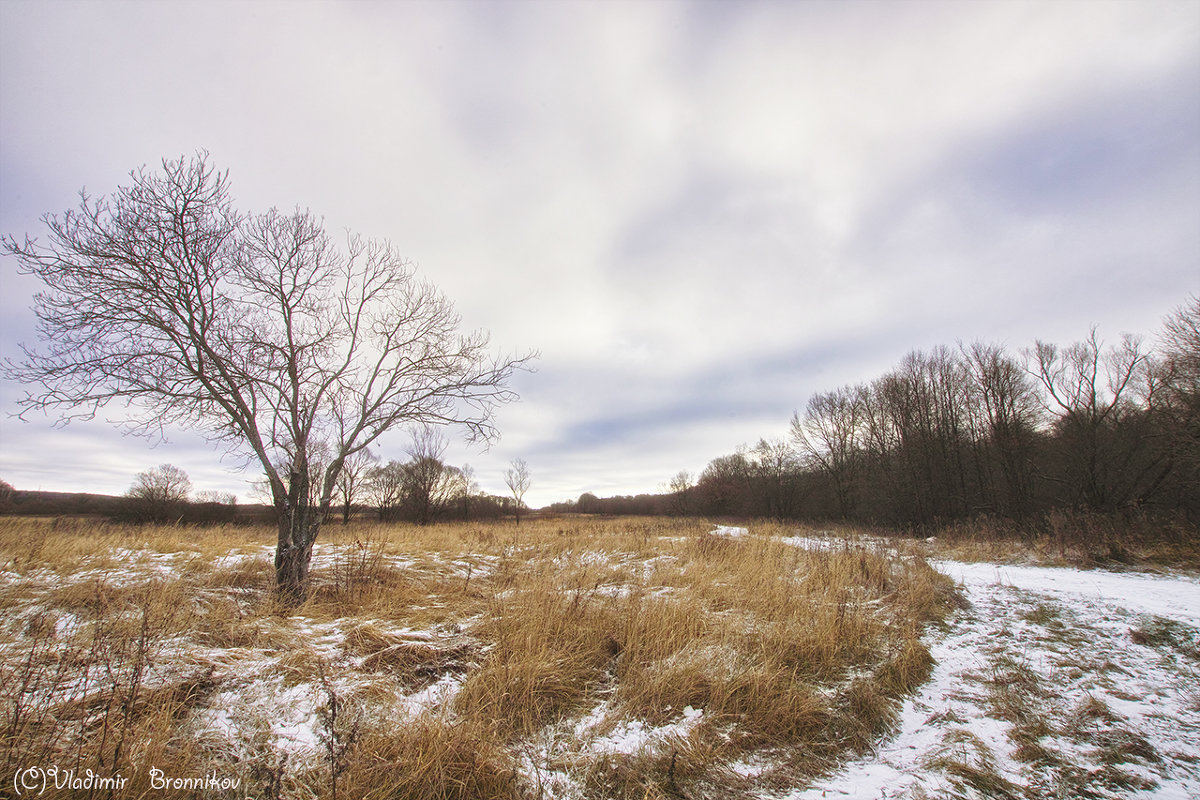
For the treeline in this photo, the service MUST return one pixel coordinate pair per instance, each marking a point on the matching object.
(421, 489)
(621, 505)
(203, 509)
(955, 433)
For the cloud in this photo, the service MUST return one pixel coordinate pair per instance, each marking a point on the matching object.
(699, 212)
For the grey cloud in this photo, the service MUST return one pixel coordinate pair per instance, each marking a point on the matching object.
(699, 212)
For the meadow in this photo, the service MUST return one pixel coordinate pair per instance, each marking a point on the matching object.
(559, 658)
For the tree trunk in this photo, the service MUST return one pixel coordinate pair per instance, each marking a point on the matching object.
(297, 532)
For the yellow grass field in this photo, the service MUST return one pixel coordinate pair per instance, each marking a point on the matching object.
(562, 658)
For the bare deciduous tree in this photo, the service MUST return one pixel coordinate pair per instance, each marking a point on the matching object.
(463, 488)
(160, 492)
(429, 483)
(517, 478)
(1007, 401)
(1089, 388)
(680, 489)
(775, 473)
(385, 489)
(1176, 397)
(352, 482)
(1178, 370)
(258, 330)
(829, 434)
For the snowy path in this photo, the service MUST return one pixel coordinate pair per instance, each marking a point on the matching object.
(1054, 683)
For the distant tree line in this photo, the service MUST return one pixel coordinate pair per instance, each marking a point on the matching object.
(422, 489)
(162, 494)
(954, 433)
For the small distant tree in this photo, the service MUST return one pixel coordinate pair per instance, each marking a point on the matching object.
(428, 482)
(517, 478)
(160, 494)
(466, 488)
(587, 503)
(217, 497)
(385, 489)
(352, 482)
(680, 488)
(6, 496)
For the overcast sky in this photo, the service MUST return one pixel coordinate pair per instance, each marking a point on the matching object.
(699, 213)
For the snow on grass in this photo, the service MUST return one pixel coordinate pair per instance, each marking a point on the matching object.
(1058, 682)
(557, 760)
(433, 697)
(1054, 682)
(273, 698)
(629, 737)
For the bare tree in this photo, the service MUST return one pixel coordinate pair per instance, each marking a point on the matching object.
(517, 478)
(257, 330)
(216, 496)
(160, 492)
(1176, 394)
(428, 483)
(775, 478)
(680, 489)
(1007, 401)
(7, 492)
(385, 489)
(724, 484)
(830, 434)
(352, 482)
(465, 488)
(1090, 388)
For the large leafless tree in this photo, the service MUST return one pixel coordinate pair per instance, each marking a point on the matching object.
(1177, 395)
(259, 330)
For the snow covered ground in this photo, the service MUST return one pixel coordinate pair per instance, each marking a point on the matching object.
(1053, 683)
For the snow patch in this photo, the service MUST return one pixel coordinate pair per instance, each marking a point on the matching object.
(629, 737)
(436, 695)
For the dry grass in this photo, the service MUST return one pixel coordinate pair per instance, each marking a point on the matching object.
(1117, 540)
(456, 661)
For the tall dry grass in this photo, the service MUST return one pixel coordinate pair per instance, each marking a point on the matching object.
(1063, 537)
(125, 648)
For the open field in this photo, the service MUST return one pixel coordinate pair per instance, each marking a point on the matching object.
(574, 658)
(562, 658)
